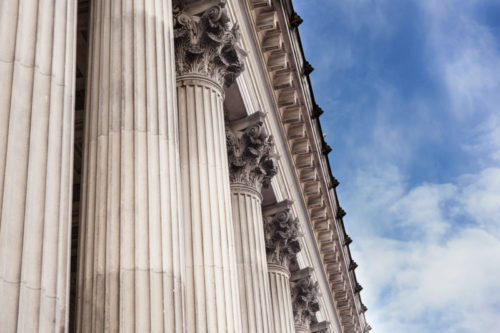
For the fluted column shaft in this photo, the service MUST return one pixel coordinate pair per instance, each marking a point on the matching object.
(37, 74)
(130, 257)
(212, 299)
(207, 56)
(281, 232)
(279, 281)
(255, 297)
(251, 165)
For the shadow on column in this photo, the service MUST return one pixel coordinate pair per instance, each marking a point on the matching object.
(80, 84)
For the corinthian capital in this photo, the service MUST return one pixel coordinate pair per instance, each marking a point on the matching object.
(281, 231)
(250, 152)
(304, 297)
(204, 42)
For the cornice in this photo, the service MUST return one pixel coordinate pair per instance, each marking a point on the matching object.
(288, 71)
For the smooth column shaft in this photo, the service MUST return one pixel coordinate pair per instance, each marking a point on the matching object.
(251, 259)
(130, 258)
(212, 299)
(37, 75)
(279, 280)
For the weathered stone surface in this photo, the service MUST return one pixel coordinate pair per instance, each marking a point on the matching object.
(251, 166)
(207, 57)
(304, 297)
(282, 232)
(130, 275)
(319, 327)
(205, 43)
(250, 152)
(37, 68)
(253, 282)
(279, 281)
(209, 252)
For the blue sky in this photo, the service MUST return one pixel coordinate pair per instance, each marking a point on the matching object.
(411, 93)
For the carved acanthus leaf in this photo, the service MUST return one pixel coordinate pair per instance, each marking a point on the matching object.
(205, 44)
(304, 299)
(319, 327)
(281, 232)
(251, 154)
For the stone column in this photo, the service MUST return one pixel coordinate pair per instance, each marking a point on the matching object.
(304, 299)
(207, 57)
(251, 166)
(37, 77)
(130, 254)
(281, 230)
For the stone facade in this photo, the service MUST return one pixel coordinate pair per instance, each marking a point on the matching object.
(163, 169)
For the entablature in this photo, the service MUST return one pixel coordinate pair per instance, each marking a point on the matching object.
(273, 41)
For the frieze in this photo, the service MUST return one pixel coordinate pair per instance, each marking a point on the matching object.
(273, 22)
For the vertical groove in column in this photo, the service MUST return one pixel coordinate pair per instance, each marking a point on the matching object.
(282, 245)
(156, 281)
(37, 70)
(251, 260)
(130, 266)
(36, 138)
(210, 303)
(282, 302)
(112, 68)
(142, 273)
(102, 174)
(127, 151)
(8, 29)
(252, 166)
(212, 300)
(66, 186)
(169, 142)
(30, 294)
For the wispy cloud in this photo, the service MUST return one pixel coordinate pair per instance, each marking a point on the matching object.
(411, 92)
(432, 287)
(438, 275)
(467, 59)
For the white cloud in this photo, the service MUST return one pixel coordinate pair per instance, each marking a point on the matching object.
(414, 287)
(445, 276)
(487, 140)
(480, 199)
(468, 61)
(428, 254)
(421, 210)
